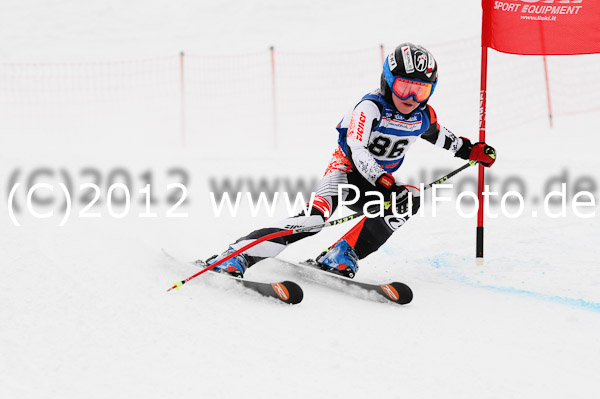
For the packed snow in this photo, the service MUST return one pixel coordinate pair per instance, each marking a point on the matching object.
(84, 309)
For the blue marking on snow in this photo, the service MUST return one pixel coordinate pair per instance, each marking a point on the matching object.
(577, 302)
(439, 262)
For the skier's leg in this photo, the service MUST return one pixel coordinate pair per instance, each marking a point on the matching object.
(324, 204)
(364, 238)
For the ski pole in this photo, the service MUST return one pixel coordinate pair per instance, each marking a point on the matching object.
(231, 255)
(288, 232)
(362, 213)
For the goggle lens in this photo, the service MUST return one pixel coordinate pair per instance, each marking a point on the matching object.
(404, 88)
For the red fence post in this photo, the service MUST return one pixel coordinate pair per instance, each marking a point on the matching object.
(182, 97)
(548, 90)
(274, 96)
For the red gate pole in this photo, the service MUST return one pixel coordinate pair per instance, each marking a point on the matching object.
(481, 177)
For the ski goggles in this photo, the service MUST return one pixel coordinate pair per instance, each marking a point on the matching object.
(404, 88)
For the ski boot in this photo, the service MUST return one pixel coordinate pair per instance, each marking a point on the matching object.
(340, 259)
(235, 266)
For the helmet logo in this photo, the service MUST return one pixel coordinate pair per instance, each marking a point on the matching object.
(409, 67)
(420, 61)
(392, 61)
(430, 66)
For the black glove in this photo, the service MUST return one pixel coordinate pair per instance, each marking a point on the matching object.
(387, 185)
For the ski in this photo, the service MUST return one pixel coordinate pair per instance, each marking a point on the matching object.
(396, 292)
(285, 291)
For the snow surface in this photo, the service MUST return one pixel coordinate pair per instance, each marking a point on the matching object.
(83, 307)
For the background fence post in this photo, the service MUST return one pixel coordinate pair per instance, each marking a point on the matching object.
(182, 96)
(548, 90)
(274, 96)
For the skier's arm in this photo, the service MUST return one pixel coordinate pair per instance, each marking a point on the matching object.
(364, 118)
(460, 146)
(439, 135)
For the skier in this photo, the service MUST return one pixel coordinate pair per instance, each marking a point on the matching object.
(373, 140)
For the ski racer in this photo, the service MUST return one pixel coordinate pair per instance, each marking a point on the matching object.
(373, 140)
